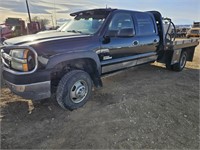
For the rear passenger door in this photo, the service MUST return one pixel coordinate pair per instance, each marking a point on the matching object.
(147, 32)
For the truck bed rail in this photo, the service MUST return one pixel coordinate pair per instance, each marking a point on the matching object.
(182, 43)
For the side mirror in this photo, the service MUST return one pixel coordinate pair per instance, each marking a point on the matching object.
(126, 32)
(106, 39)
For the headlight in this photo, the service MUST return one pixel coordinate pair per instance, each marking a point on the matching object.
(22, 60)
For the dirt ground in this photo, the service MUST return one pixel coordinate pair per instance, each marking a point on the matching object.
(141, 108)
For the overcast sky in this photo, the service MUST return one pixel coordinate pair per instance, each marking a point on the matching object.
(181, 11)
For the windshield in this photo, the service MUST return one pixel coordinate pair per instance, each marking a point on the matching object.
(85, 23)
(194, 31)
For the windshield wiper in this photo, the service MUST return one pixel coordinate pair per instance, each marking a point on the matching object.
(74, 31)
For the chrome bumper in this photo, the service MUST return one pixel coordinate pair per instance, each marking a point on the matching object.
(35, 91)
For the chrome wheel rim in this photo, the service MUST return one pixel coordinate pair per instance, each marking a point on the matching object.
(183, 61)
(79, 91)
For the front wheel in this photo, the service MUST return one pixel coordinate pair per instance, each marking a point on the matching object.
(74, 89)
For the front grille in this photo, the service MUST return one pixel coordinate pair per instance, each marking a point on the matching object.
(6, 59)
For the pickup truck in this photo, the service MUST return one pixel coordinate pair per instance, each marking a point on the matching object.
(96, 42)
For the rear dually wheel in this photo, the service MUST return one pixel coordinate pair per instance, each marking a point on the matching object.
(182, 62)
(179, 66)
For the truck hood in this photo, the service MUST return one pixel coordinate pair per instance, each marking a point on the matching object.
(40, 37)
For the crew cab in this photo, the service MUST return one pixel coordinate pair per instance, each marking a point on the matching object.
(96, 42)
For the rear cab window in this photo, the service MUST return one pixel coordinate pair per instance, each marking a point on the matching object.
(145, 24)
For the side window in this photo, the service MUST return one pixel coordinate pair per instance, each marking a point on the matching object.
(145, 24)
(120, 21)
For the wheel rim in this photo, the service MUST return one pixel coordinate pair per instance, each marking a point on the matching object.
(183, 61)
(79, 91)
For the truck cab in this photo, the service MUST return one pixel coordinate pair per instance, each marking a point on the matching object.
(129, 35)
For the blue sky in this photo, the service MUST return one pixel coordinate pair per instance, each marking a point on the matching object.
(181, 11)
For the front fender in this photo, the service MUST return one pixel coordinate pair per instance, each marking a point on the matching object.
(56, 59)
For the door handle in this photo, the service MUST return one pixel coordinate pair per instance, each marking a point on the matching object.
(135, 43)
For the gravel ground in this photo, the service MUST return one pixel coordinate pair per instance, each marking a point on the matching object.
(145, 107)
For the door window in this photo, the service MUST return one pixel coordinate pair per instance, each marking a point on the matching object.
(120, 21)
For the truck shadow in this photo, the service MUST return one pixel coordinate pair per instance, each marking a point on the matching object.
(25, 110)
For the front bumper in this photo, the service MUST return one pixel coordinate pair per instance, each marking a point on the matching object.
(33, 86)
(34, 91)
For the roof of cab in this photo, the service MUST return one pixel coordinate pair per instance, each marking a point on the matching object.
(93, 10)
(108, 10)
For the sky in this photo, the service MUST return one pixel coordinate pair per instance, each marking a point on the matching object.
(182, 12)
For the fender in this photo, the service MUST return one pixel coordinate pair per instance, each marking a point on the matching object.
(56, 59)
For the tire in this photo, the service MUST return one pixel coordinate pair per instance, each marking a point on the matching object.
(74, 89)
(169, 66)
(182, 62)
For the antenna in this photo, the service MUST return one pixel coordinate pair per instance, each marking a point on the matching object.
(106, 6)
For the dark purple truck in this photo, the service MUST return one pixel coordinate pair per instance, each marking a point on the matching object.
(94, 43)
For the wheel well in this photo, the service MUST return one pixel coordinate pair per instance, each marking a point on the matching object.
(86, 64)
(190, 52)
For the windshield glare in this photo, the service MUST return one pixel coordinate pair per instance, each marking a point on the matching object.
(83, 25)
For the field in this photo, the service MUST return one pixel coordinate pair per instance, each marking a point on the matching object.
(140, 108)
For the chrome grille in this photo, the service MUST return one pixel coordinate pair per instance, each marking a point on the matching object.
(5, 58)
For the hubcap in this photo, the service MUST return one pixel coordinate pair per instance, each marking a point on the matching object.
(79, 91)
